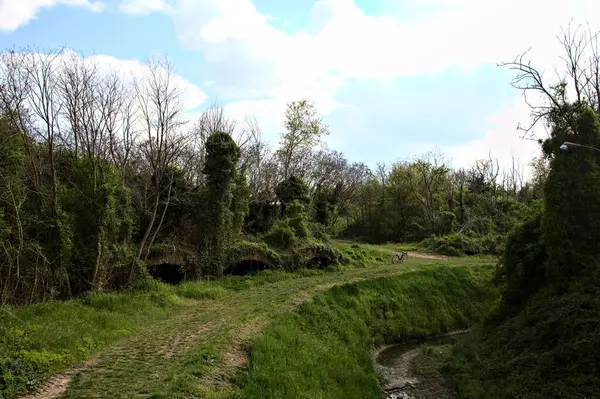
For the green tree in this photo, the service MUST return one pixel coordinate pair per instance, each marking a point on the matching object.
(292, 189)
(304, 129)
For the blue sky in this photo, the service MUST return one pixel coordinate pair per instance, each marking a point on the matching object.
(393, 79)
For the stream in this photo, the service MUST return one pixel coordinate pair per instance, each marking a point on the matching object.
(394, 364)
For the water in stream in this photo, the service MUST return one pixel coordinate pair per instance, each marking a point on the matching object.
(394, 364)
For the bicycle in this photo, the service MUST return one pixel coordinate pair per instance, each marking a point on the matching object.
(400, 257)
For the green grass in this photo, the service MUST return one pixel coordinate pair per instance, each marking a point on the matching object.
(324, 349)
(169, 341)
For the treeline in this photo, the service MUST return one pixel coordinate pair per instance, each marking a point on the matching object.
(99, 169)
(411, 201)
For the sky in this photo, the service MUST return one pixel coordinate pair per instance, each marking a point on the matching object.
(393, 79)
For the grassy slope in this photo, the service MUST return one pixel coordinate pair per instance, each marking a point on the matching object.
(324, 349)
(184, 341)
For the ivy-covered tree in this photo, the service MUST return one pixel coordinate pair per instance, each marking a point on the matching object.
(571, 222)
(292, 189)
(222, 155)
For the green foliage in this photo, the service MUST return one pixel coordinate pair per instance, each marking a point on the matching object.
(415, 200)
(297, 219)
(447, 222)
(332, 336)
(261, 217)
(304, 129)
(100, 211)
(543, 340)
(281, 235)
(319, 232)
(292, 189)
(548, 349)
(240, 209)
(218, 220)
(463, 244)
(360, 255)
(243, 249)
(522, 270)
(325, 201)
(571, 222)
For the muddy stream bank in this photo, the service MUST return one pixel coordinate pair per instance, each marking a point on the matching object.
(395, 366)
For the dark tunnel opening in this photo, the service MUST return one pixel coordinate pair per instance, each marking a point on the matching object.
(168, 273)
(245, 267)
(319, 262)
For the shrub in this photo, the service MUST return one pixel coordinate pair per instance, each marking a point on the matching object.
(523, 271)
(15, 377)
(319, 231)
(292, 189)
(281, 236)
(462, 244)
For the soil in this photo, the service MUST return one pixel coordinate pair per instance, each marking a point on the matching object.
(396, 366)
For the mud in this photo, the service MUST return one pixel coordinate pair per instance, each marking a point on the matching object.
(395, 366)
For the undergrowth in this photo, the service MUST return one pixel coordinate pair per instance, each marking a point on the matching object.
(550, 349)
(465, 244)
(324, 349)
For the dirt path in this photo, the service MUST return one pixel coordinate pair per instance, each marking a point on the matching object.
(195, 353)
(424, 255)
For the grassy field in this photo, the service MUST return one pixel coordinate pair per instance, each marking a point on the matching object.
(171, 342)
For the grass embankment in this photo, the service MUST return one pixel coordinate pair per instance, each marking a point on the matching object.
(324, 348)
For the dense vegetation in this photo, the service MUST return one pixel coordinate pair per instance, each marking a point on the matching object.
(544, 338)
(101, 175)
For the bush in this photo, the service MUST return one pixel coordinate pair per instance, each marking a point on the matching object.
(15, 377)
(571, 222)
(523, 271)
(300, 226)
(281, 236)
(462, 244)
(549, 349)
(319, 232)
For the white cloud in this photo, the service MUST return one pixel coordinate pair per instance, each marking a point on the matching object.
(143, 7)
(15, 13)
(249, 57)
(193, 96)
(501, 142)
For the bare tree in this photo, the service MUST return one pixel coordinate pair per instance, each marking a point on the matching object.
(381, 171)
(43, 100)
(15, 87)
(160, 107)
(582, 61)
